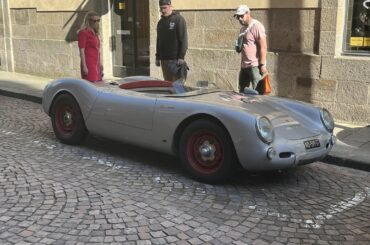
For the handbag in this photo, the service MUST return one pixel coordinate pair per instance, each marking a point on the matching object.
(267, 85)
(264, 85)
(239, 41)
(239, 44)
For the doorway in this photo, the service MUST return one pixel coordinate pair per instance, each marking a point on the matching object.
(130, 37)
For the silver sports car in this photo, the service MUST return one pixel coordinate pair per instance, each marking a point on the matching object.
(212, 131)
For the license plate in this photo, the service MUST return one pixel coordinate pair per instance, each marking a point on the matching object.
(309, 144)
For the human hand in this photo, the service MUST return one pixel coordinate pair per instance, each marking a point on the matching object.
(263, 70)
(180, 62)
(85, 71)
(157, 63)
(101, 72)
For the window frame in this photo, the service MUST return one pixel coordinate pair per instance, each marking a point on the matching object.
(346, 48)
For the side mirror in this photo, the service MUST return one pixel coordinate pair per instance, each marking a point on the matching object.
(250, 91)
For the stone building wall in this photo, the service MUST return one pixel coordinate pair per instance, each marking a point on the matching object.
(5, 40)
(345, 78)
(39, 37)
(2, 37)
(44, 42)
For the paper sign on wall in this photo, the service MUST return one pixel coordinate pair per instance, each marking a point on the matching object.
(357, 41)
(121, 6)
(367, 41)
(123, 32)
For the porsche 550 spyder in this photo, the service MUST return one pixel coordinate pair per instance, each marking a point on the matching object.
(212, 131)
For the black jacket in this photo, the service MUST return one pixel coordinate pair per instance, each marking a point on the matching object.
(172, 37)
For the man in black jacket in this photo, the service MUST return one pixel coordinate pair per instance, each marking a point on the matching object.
(172, 41)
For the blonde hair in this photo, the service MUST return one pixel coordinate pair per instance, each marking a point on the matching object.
(87, 23)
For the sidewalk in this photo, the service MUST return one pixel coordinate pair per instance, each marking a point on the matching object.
(22, 86)
(351, 150)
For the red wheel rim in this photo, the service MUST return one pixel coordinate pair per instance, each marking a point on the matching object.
(204, 151)
(65, 119)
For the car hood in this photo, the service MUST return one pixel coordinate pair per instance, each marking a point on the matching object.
(287, 116)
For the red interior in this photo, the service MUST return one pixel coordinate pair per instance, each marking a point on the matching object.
(146, 84)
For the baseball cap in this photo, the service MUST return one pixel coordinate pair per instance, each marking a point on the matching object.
(164, 2)
(242, 9)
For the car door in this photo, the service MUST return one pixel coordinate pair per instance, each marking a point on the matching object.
(123, 115)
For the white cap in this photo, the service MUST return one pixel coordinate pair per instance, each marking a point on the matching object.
(242, 9)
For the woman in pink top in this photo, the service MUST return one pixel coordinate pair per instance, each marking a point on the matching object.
(89, 45)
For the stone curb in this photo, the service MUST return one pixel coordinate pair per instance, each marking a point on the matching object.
(345, 162)
(28, 97)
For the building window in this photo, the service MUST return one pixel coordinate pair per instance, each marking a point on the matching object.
(358, 27)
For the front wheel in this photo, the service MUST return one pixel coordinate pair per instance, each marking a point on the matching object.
(67, 120)
(207, 152)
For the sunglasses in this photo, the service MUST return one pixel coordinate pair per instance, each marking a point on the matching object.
(239, 16)
(98, 20)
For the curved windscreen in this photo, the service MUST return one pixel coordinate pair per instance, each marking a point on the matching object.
(147, 84)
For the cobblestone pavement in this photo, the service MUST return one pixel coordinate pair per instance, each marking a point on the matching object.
(106, 192)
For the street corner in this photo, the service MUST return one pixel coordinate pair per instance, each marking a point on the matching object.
(352, 148)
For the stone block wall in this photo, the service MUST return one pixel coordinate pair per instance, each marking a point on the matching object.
(351, 100)
(44, 42)
(2, 39)
(5, 61)
(352, 95)
(212, 35)
(40, 36)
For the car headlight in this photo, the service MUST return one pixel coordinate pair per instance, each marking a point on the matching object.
(265, 129)
(327, 120)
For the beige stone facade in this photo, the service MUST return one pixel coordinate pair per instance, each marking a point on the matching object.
(40, 37)
(305, 39)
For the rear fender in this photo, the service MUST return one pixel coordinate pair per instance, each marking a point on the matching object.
(84, 93)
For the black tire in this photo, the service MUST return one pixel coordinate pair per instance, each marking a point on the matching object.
(67, 120)
(207, 152)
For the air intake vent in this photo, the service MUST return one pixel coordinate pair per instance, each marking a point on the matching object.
(285, 154)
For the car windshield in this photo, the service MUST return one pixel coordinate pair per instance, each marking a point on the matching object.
(150, 85)
(181, 88)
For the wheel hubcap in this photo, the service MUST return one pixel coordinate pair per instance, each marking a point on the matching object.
(67, 119)
(64, 119)
(207, 151)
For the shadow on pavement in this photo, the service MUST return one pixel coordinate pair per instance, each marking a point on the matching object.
(353, 136)
(170, 166)
(352, 147)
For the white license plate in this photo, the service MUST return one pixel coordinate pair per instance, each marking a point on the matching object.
(309, 144)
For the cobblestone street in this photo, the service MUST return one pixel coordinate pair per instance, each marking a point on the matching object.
(108, 192)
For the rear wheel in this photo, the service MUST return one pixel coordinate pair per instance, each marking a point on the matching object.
(67, 120)
(207, 152)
